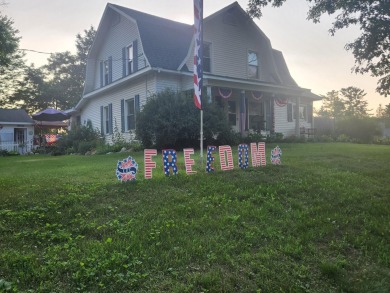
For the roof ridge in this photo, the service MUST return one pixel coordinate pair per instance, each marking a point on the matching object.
(149, 16)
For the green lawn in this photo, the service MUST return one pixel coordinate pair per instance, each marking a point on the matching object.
(318, 223)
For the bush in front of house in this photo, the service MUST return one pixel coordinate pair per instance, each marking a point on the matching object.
(79, 139)
(171, 120)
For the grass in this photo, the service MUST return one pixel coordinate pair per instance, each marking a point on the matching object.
(318, 223)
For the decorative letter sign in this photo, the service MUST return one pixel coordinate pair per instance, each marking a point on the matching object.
(126, 170)
(276, 156)
(169, 160)
(149, 164)
(258, 154)
(210, 159)
(243, 162)
(188, 161)
(226, 149)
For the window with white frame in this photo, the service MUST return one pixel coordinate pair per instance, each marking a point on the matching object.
(130, 114)
(253, 65)
(106, 71)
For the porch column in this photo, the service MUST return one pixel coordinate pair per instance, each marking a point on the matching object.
(209, 94)
(242, 113)
(296, 114)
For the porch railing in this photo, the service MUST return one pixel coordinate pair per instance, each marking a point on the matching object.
(21, 148)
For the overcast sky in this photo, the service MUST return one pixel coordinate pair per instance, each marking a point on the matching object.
(315, 59)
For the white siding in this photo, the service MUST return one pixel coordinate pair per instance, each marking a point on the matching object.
(118, 36)
(144, 88)
(281, 123)
(229, 49)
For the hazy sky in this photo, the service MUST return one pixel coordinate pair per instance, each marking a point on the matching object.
(315, 59)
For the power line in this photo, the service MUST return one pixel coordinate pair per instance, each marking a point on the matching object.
(35, 51)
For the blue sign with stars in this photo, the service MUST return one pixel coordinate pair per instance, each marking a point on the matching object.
(170, 161)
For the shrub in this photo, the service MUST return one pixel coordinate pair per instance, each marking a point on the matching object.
(79, 139)
(170, 120)
(361, 130)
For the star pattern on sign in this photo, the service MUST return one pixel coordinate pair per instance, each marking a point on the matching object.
(170, 164)
(126, 170)
(210, 158)
(243, 148)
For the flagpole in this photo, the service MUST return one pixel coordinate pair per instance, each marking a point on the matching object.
(201, 96)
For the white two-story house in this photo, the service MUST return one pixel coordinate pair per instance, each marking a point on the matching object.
(135, 55)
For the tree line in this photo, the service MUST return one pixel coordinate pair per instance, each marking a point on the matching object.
(58, 84)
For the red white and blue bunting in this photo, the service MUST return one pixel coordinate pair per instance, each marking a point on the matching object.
(258, 96)
(225, 93)
(281, 102)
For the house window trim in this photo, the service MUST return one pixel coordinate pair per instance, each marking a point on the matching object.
(253, 66)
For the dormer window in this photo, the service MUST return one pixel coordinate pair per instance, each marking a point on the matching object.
(253, 65)
(106, 72)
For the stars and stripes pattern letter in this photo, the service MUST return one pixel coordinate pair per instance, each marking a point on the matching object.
(188, 161)
(243, 156)
(149, 165)
(198, 71)
(170, 161)
(258, 154)
(226, 157)
(210, 159)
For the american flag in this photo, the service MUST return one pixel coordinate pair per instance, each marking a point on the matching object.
(198, 71)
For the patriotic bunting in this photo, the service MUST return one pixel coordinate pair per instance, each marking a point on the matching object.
(281, 102)
(225, 93)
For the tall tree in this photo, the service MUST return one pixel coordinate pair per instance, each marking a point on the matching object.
(355, 105)
(9, 42)
(386, 112)
(332, 105)
(67, 71)
(31, 91)
(371, 49)
(11, 62)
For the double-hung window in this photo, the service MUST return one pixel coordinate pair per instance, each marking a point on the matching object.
(253, 65)
(130, 114)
